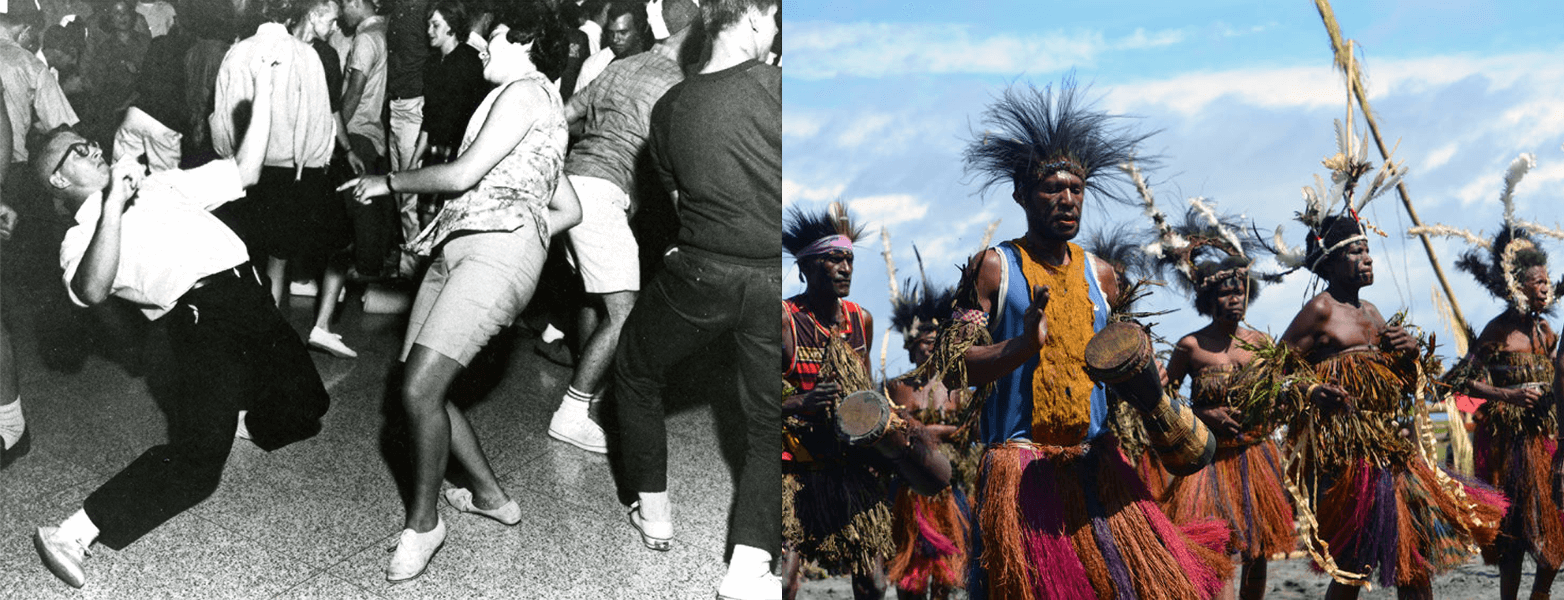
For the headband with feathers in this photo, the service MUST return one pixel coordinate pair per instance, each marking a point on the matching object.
(1331, 211)
(805, 228)
(1510, 252)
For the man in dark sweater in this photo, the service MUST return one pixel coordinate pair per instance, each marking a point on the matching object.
(716, 141)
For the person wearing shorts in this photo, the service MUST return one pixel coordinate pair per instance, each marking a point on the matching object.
(605, 167)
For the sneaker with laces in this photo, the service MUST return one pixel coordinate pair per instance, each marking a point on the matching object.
(765, 586)
(577, 429)
(331, 343)
(62, 555)
(412, 553)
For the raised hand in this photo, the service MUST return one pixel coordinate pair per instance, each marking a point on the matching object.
(1036, 320)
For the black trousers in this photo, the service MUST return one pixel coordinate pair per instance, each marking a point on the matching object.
(695, 298)
(231, 350)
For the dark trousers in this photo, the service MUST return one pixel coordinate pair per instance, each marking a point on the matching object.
(231, 350)
(695, 298)
(376, 231)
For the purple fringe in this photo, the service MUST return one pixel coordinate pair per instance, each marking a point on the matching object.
(1243, 475)
(1117, 570)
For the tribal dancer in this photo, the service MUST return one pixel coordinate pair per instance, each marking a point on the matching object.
(1511, 368)
(836, 507)
(1381, 502)
(1243, 486)
(1061, 512)
(931, 533)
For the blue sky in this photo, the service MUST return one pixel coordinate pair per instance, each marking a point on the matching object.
(880, 97)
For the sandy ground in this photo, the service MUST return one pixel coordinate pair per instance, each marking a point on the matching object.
(1289, 580)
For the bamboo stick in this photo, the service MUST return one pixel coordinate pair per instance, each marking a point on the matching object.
(1342, 52)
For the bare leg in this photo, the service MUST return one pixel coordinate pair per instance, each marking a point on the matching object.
(277, 271)
(1340, 591)
(486, 492)
(1510, 576)
(602, 337)
(902, 594)
(1419, 591)
(1251, 584)
(871, 585)
(792, 573)
(331, 283)
(1542, 585)
(428, 375)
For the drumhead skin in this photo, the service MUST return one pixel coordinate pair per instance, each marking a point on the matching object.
(1118, 352)
(862, 417)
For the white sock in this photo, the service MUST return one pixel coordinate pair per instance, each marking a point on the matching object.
(658, 501)
(552, 334)
(576, 401)
(79, 527)
(11, 422)
(749, 561)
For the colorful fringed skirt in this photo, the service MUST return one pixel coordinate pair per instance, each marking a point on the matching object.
(837, 512)
(931, 540)
(1078, 522)
(1514, 452)
(1380, 503)
(1243, 487)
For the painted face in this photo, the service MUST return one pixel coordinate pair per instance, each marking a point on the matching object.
(623, 36)
(1054, 207)
(506, 59)
(834, 270)
(1535, 285)
(1232, 299)
(439, 31)
(1353, 265)
(922, 346)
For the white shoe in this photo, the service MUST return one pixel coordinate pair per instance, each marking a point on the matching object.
(461, 499)
(62, 555)
(413, 551)
(331, 343)
(577, 429)
(764, 587)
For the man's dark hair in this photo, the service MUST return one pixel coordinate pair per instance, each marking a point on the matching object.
(721, 14)
(537, 23)
(455, 14)
(637, 11)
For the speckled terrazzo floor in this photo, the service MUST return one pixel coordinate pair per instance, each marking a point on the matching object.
(315, 519)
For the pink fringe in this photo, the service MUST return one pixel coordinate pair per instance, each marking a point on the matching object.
(930, 534)
(1212, 534)
(1059, 570)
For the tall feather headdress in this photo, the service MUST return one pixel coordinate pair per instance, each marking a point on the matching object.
(1331, 210)
(1030, 134)
(808, 231)
(1499, 262)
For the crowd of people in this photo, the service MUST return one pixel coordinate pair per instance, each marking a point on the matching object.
(202, 157)
(1039, 449)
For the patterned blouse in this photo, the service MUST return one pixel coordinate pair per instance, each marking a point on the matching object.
(516, 192)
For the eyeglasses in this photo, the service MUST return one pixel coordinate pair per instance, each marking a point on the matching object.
(82, 149)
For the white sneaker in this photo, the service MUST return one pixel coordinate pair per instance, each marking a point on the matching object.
(62, 555)
(413, 551)
(331, 343)
(764, 587)
(577, 429)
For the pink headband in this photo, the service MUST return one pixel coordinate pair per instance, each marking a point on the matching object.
(826, 245)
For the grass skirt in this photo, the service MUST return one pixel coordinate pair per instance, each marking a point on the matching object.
(1243, 486)
(837, 514)
(931, 540)
(1518, 461)
(1078, 522)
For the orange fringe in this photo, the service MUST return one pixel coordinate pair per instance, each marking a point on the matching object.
(1218, 492)
(944, 514)
(1009, 573)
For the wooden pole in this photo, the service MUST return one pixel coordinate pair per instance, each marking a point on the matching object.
(1342, 52)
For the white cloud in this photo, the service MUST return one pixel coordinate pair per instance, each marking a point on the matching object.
(821, 50)
(1439, 156)
(800, 125)
(862, 128)
(888, 209)
(793, 191)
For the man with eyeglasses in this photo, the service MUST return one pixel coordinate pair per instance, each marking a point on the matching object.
(151, 241)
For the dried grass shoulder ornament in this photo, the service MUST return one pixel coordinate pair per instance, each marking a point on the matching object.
(1046, 463)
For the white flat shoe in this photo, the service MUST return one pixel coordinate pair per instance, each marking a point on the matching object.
(413, 551)
(461, 499)
(657, 535)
